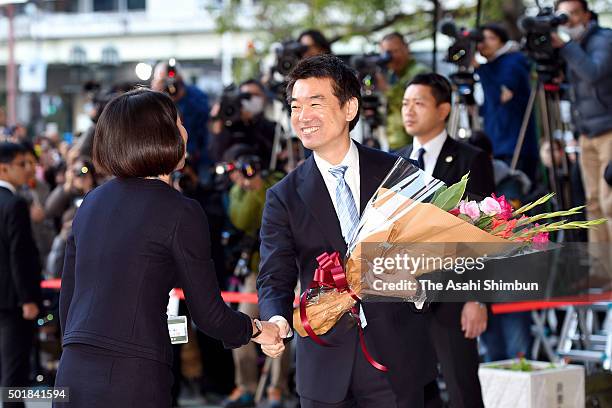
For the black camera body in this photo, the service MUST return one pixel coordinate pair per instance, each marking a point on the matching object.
(369, 64)
(537, 42)
(462, 50)
(288, 55)
(230, 106)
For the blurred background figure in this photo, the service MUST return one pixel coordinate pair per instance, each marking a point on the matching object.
(401, 68)
(250, 181)
(192, 104)
(315, 42)
(506, 85)
(19, 271)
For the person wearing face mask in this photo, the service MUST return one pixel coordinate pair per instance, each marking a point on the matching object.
(587, 50)
(505, 82)
(253, 129)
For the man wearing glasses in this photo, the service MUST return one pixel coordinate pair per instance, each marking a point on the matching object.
(19, 270)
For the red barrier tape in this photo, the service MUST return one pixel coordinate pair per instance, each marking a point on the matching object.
(499, 308)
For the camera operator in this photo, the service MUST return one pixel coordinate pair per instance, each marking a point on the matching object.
(80, 179)
(250, 128)
(192, 104)
(247, 197)
(505, 82)
(588, 54)
(401, 69)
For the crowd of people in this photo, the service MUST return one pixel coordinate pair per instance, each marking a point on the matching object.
(234, 171)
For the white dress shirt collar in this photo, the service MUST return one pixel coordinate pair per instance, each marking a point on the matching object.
(9, 186)
(432, 151)
(351, 160)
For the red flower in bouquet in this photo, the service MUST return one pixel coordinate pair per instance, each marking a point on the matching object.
(508, 230)
(505, 207)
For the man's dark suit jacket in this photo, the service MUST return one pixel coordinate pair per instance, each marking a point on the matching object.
(19, 264)
(133, 240)
(455, 160)
(464, 158)
(299, 223)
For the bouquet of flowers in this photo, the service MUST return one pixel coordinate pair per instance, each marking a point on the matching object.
(412, 207)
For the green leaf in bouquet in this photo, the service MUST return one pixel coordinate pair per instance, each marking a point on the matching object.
(450, 197)
(530, 206)
(556, 214)
(484, 222)
(437, 193)
(465, 218)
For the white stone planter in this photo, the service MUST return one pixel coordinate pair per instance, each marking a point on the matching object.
(544, 387)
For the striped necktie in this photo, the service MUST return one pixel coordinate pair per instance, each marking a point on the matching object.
(347, 212)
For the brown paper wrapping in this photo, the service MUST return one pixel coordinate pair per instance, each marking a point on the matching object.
(424, 224)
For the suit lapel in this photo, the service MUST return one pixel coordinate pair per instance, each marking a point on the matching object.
(314, 194)
(446, 159)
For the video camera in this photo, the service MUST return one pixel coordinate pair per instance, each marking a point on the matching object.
(230, 105)
(537, 41)
(288, 55)
(462, 50)
(367, 66)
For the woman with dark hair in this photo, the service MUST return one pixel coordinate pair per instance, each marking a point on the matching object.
(134, 239)
(315, 41)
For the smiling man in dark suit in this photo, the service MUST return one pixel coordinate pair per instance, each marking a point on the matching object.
(19, 271)
(315, 209)
(454, 327)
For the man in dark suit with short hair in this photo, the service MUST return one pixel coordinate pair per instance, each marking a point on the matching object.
(19, 271)
(454, 327)
(314, 209)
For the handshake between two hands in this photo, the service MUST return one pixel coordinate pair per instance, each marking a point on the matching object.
(271, 337)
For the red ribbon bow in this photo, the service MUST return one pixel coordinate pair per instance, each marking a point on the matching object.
(330, 274)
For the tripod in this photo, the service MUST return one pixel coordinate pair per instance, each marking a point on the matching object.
(464, 117)
(282, 131)
(547, 95)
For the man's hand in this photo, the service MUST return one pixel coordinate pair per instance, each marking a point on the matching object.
(556, 41)
(37, 213)
(276, 350)
(30, 311)
(473, 319)
(269, 334)
(506, 94)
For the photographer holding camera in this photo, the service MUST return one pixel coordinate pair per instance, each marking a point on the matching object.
(192, 104)
(401, 69)
(80, 179)
(505, 82)
(247, 197)
(587, 50)
(239, 119)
